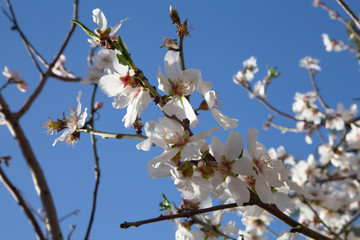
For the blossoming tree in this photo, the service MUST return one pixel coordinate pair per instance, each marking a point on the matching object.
(232, 186)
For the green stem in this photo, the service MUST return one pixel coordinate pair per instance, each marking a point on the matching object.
(181, 50)
(113, 135)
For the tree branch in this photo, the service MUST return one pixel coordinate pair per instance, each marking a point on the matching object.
(312, 77)
(254, 200)
(51, 220)
(48, 72)
(113, 135)
(97, 166)
(22, 203)
(349, 12)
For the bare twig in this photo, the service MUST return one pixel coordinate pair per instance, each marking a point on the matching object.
(71, 231)
(254, 200)
(97, 166)
(349, 12)
(65, 79)
(22, 203)
(268, 105)
(339, 18)
(48, 72)
(113, 135)
(73, 213)
(51, 220)
(312, 77)
(32, 51)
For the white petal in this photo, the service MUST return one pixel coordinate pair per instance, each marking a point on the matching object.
(251, 139)
(234, 145)
(223, 120)
(172, 68)
(99, 19)
(193, 76)
(111, 85)
(160, 166)
(189, 113)
(217, 148)
(238, 190)
(243, 166)
(263, 190)
(192, 151)
(117, 27)
(164, 84)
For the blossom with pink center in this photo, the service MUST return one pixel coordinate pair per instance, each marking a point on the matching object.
(126, 91)
(174, 139)
(229, 166)
(179, 85)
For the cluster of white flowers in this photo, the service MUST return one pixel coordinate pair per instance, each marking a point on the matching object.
(228, 171)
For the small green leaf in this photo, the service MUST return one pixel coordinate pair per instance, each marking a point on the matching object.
(122, 60)
(86, 30)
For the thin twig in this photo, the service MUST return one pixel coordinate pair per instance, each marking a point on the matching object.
(339, 18)
(41, 186)
(113, 135)
(179, 215)
(48, 72)
(254, 200)
(287, 129)
(71, 232)
(73, 213)
(22, 203)
(32, 51)
(349, 12)
(269, 106)
(312, 77)
(97, 166)
(65, 79)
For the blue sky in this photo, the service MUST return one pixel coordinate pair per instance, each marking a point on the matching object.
(279, 33)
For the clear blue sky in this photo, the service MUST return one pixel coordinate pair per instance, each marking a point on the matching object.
(225, 33)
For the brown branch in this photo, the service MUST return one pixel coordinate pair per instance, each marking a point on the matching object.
(338, 17)
(97, 166)
(48, 72)
(65, 79)
(254, 200)
(269, 106)
(22, 203)
(179, 215)
(32, 51)
(51, 220)
(312, 77)
(349, 12)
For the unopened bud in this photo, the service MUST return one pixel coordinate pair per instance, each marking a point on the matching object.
(98, 105)
(174, 15)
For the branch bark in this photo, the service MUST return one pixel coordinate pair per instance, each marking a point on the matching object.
(22, 203)
(40, 183)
